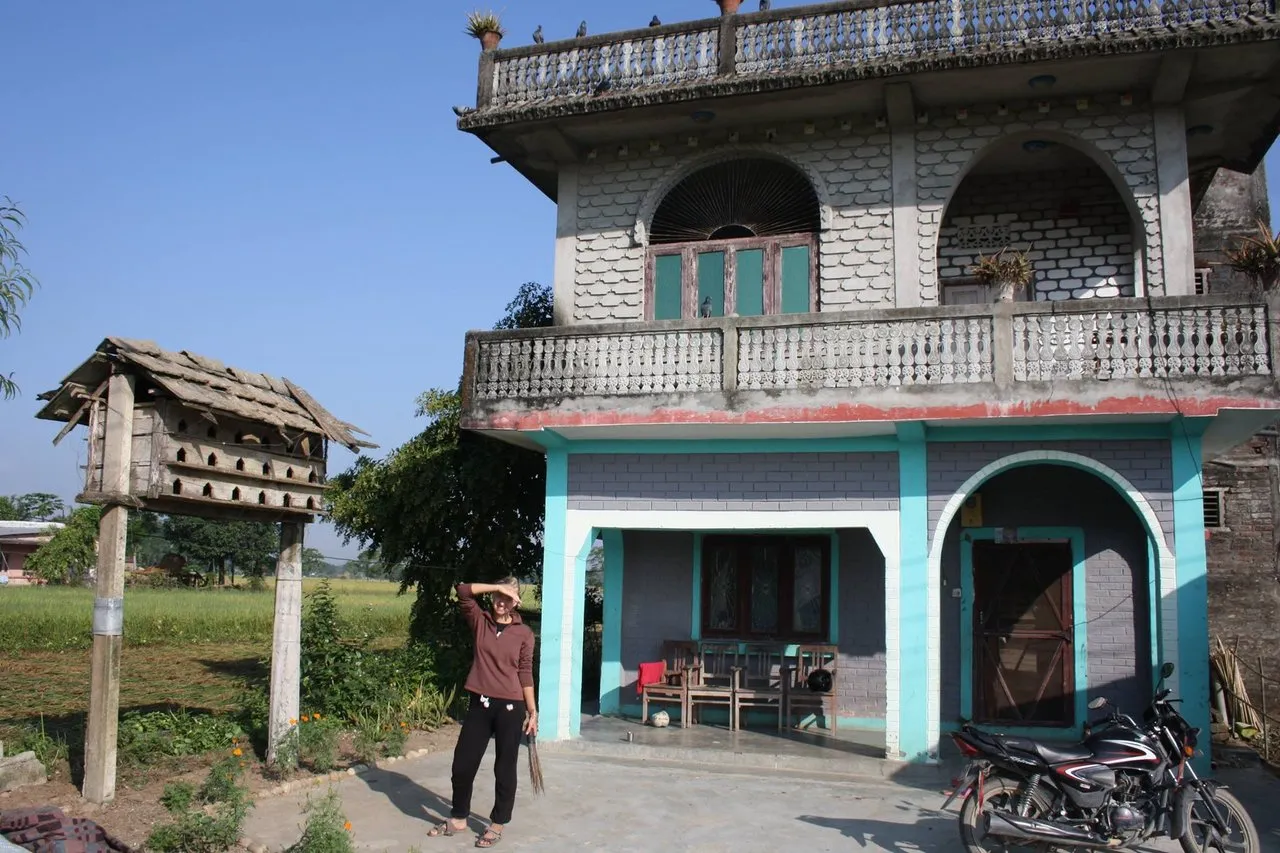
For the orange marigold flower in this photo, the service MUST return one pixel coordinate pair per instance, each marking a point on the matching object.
(347, 826)
(292, 721)
(315, 716)
(237, 752)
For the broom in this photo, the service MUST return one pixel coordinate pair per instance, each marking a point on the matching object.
(535, 766)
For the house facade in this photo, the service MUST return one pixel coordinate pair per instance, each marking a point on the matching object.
(19, 540)
(776, 393)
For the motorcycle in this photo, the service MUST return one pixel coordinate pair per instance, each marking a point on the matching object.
(1124, 784)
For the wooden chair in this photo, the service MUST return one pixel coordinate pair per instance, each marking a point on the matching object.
(759, 681)
(796, 695)
(714, 680)
(680, 664)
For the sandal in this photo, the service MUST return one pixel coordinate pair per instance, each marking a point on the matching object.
(489, 838)
(447, 829)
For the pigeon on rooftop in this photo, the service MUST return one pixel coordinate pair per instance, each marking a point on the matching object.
(655, 22)
(538, 38)
(764, 5)
(582, 30)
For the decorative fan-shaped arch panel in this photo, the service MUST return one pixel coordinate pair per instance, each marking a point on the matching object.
(749, 197)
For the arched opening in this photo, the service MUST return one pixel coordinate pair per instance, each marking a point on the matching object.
(1041, 195)
(213, 459)
(181, 455)
(177, 487)
(736, 238)
(239, 439)
(1044, 603)
(207, 491)
(262, 497)
(239, 464)
(235, 494)
(311, 503)
(288, 474)
(287, 500)
(312, 477)
(266, 469)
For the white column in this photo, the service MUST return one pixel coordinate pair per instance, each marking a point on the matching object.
(902, 145)
(566, 247)
(1175, 201)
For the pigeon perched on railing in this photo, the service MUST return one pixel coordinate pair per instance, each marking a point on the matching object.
(582, 30)
(655, 22)
(538, 38)
(764, 5)
(603, 86)
(462, 111)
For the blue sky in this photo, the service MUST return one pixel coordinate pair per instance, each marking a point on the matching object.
(279, 185)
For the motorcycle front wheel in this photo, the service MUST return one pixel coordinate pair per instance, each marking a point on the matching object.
(999, 794)
(1201, 836)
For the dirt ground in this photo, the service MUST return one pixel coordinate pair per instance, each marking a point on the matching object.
(136, 807)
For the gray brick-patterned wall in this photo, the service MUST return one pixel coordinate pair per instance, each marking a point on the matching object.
(1084, 254)
(734, 481)
(1147, 464)
(1116, 607)
(657, 598)
(657, 605)
(861, 675)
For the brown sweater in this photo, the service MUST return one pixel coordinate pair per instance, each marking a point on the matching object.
(503, 662)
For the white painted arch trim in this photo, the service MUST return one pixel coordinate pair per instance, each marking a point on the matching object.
(1166, 566)
(882, 524)
(655, 195)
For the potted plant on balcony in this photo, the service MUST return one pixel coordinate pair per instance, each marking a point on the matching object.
(486, 27)
(1258, 257)
(1008, 273)
(728, 7)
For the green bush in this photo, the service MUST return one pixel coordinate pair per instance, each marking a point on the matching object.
(327, 829)
(49, 749)
(208, 820)
(146, 737)
(318, 742)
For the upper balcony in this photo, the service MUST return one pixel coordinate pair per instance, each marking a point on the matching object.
(859, 372)
(535, 105)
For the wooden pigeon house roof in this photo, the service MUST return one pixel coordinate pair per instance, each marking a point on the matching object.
(204, 384)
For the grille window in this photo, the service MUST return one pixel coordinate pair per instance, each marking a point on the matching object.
(1213, 514)
(1202, 281)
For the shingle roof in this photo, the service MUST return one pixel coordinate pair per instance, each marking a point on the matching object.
(202, 383)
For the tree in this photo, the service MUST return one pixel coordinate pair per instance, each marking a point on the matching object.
(146, 542)
(17, 284)
(38, 506)
(72, 550)
(314, 563)
(8, 509)
(247, 545)
(450, 505)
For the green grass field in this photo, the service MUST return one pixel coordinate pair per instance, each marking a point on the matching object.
(58, 618)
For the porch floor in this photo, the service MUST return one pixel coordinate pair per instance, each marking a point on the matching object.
(850, 752)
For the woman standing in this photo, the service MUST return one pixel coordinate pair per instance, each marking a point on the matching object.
(502, 705)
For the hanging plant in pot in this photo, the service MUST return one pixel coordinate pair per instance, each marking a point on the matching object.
(1259, 258)
(728, 7)
(485, 27)
(1008, 273)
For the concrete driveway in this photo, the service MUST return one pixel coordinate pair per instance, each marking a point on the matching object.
(607, 803)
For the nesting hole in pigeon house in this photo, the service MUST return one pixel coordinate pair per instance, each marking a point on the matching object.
(312, 477)
(212, 460)
(287, 500)
(239, 464)
(207, 491)
(177, 487)
(288, 474)
(266, 469)
(182, 454)
(262, 498)
(235, 494)
(182, 426)
(311, 503)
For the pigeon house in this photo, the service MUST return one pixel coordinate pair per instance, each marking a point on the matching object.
(181, 434)
(207, 439)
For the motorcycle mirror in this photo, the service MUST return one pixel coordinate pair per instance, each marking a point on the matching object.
(1096, 704)
(1166, 670)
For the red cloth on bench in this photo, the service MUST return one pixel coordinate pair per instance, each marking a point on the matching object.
(650, 673)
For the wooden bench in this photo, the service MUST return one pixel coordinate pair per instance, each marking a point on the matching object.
(713, 683)
(759, 681)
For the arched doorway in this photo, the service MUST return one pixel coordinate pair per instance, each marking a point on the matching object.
(1039, 193)
(735, 238)
(1121, 613)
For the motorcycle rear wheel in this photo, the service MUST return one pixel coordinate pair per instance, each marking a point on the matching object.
(999, 793)
(1239, 825)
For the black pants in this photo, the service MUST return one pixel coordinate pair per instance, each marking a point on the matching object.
(502, 720)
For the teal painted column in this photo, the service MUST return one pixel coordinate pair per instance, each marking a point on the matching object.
(1193, 590)
(577, 600)
(913, 595)
(553, 723)
(611, 642)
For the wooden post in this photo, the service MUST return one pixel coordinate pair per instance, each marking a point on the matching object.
(286, 643)
(108, 604)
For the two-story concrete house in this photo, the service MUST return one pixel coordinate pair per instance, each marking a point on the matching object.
(777, 394)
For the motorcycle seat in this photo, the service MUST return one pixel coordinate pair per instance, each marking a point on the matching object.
(1050, 753)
